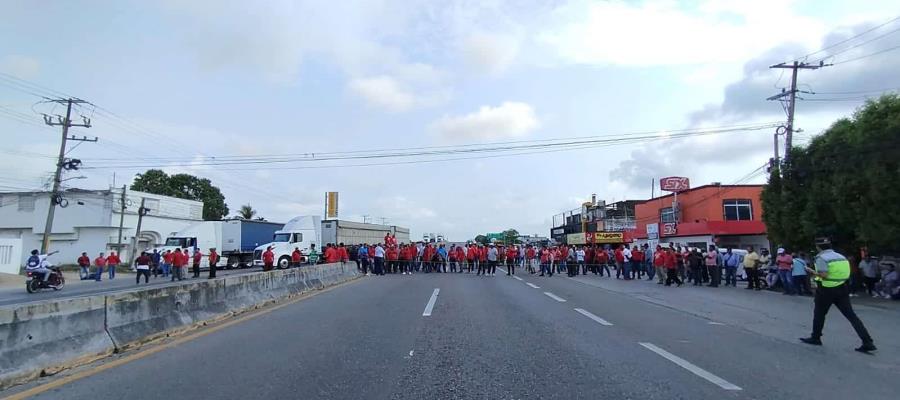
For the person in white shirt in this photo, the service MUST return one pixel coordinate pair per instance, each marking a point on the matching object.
(579, 258)
(379, 260)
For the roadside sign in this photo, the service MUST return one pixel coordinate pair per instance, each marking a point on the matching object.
(653, 231)
(674, 184)
(669, 229)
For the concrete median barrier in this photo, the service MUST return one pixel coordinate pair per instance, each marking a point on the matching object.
(51, 335)
(43, 337)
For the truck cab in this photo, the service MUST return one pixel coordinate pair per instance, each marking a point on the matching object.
(300, 232)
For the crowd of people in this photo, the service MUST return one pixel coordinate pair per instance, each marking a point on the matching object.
(168, 264)
(668, 265)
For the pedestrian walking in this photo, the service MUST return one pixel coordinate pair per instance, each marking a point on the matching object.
(178, 262)
(579, 259)
(84, 266)
(112, 261)
(695, 264)
(869, 268)
(492, 256)
(379, 259)
(637, 263)
(832, 272)
(213, 258)
(731, 260)
(671, 264)
(511, 261)
(363, 256)
(659, 264)
(155, 262)
(142, 268)
(99, 264)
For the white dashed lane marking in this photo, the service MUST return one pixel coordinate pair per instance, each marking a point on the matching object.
(532, 285)
(555, 297)
(596, 319)
(691, 367)
(430, 306)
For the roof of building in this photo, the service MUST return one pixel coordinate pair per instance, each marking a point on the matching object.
(699, 188)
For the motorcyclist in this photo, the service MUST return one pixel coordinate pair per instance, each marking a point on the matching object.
(37, 264)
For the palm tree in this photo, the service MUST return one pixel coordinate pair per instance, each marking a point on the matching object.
(246, 212)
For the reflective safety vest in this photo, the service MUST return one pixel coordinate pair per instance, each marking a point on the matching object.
(838, 270)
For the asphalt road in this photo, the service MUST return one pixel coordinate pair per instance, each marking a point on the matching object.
(501, 338)
(77, 288)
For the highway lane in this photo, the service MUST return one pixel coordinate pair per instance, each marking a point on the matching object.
(486, 337)
(77, 288)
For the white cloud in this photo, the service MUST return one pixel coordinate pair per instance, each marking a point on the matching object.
(667, 33)
(20, 66)
(508, 120)
(490, 52)
(384, 92)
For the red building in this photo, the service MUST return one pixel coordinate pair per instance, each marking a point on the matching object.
(724, 215)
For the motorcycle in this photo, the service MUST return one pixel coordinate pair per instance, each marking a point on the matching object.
(35, 281)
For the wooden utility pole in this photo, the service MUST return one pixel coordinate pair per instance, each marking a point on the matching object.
(55, 198)
(142, 211)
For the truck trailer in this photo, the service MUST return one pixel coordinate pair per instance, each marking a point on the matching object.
(233, 239)
(304, 232)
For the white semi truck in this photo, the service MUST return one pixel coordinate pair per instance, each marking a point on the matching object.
(233, 239)
(305, 231)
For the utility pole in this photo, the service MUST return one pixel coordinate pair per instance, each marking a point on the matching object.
(121, 223)
(792, 99)
(61, 162)
(383, 220)
(142, 211)
(365, 219)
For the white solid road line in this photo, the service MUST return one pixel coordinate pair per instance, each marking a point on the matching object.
(516, 278)
(532, 285)
(555, 297)
(596, 319)
(691, 367)
(715, 323)
(431, 301)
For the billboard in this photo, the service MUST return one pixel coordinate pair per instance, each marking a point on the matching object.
(331, 205)
(609, 237)
(653, 231)
(575, 238)
(674, 184)
(669, 229)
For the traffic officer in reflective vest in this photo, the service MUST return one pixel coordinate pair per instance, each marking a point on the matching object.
(832, 274)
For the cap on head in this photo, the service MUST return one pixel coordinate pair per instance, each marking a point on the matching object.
(781, 250)
(34, 252)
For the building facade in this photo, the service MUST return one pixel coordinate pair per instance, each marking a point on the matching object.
(596, 223)
(724, 215)
(90, 221)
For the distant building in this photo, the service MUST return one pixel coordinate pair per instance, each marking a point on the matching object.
(533, 239)
(596, 223)
(89, 223)
(724, 215)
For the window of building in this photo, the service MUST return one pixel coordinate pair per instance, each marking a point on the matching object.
(738, 209)
(666, 215)
(26, 202)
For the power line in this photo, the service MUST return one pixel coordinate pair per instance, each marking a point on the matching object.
(861, 43)
(849, 39)
(868, 55)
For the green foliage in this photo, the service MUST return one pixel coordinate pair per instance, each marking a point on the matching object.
(845, 184)
(482, 239)
(184, 186)
(246, 212)
(510, 236)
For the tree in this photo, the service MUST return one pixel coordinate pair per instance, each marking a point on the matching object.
(246, 212)
(482, 239)
(845, 184)
(184, 186)
(510, 236)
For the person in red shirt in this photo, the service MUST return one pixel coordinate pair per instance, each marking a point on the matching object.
(659, 264)
(671, 264)
(168, 260)
(84, 266)
(198, 256)
(511, 253)
(529, 259)
(100, 263)
(391, 255)
(330, 254)
(637, 262)
(213, 260)
(602, 259)
(296, 257)
(546, 256)
(460, 258)
(620, 261)
(589, 259)
(268, 259)
(178, 263)
(342, 253)
(112, 262)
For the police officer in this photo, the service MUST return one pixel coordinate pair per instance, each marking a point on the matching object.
(832, 274)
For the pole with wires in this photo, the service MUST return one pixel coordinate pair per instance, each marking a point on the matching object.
(61, 163)
(792, 99)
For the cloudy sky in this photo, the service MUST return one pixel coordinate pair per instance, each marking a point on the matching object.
(183, 80)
